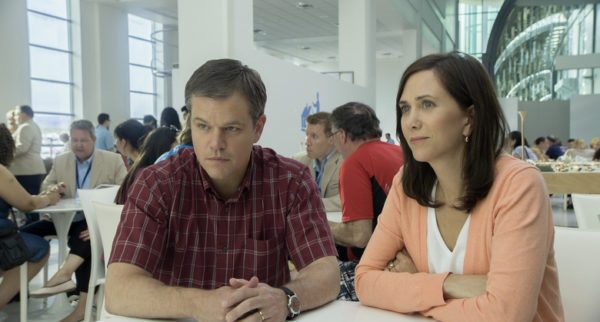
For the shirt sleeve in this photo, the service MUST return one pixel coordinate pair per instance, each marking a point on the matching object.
(308, 235)
(142, 231)
(400, 292)
(355, 191)
(520, 245)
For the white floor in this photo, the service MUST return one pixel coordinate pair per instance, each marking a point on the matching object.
(36, 306)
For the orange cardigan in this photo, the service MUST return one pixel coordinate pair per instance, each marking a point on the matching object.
(510, 239)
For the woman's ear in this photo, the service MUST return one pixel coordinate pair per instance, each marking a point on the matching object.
(469, 119)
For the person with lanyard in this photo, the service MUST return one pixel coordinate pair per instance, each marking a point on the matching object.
(84, 167)
(322, 159)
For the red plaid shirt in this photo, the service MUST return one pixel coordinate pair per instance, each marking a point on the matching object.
(176, 227)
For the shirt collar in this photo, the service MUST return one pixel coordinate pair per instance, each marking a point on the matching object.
(87, 161)
(316, 164)
(244, 186)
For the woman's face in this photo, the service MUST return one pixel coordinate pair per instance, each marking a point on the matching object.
(432, 122)
(120, 144)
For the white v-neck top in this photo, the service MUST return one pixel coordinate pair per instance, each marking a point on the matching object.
(440, 259)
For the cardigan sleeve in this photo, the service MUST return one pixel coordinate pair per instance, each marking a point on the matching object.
(519, 250)
(400, 292)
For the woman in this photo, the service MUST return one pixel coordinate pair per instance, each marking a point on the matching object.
(466, 233)
(169, 117)
(514, 139)
(184, 139)
(157, 142)
(13, 194)
(129, 135)
(579, 151)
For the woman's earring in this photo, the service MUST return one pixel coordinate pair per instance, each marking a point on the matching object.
(466, 139)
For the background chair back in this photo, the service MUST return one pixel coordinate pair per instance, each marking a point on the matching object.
(587, 211)
(577, 254)
(97, 273)
(108, 223)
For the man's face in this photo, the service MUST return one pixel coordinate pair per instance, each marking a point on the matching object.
(82, 144)
(23, 117)
(318, 144)
(223, 133)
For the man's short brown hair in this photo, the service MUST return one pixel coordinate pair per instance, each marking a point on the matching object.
(321, 118)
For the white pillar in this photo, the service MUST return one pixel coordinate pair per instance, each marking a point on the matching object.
(357, 40)
(14, 56)
(105, 62)
(203, 34)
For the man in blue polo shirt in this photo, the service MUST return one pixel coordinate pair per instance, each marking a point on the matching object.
(104, 140)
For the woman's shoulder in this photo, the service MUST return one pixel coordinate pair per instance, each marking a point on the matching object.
(510, 170)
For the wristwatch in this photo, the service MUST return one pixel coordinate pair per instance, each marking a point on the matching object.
(293, 303)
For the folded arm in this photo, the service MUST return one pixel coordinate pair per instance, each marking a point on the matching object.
(352, 233)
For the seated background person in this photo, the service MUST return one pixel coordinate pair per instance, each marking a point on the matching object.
(322, 159)
(207, 232)
(13, 194)
(365, 179)
(554, 150)
(84, 167)
(466, 233)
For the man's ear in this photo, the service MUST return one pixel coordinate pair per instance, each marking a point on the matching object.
(258, 128)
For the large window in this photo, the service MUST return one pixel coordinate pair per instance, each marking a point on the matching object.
(50, 57)
(144, 87)
(476, 19)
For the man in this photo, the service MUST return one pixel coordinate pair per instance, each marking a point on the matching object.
(322, 159)
(27, 165)
(540, 148)
(104, 140)
(554, 150)
(81, 168)
(366, 177)
(388, 139)
(150, 121)
(207, 233)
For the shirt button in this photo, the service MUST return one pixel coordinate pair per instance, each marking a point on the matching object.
(224, 249)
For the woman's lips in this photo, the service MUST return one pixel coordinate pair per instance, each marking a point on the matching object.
(417, 139)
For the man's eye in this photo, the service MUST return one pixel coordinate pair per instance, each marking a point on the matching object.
(232, 129)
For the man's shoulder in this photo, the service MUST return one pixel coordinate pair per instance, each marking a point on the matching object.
(302, 157)
(268, 158)
(63, 157)
(107, 155)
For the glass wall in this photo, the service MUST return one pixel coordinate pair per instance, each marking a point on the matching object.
(50, 57)
(531, 40)
(144, 86)
(476, 19)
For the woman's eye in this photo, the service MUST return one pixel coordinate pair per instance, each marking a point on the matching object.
(404, 108)
(427, 104)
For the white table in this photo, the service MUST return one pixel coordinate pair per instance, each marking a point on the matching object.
(341, 311)
(62, 214)
(334, 216)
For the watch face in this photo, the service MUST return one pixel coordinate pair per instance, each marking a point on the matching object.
(294, 304)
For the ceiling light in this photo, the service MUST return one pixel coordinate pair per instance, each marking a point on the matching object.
(386, 54)
(304, 5)
(331, 57)
(305, 48)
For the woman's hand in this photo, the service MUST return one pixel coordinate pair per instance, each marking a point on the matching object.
(53, 197)
(84, 235)
(402, 263)
(458, 286)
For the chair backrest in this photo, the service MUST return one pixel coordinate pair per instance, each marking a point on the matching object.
(587, 211)
(97, 271)
(109, 216)
(577, 254)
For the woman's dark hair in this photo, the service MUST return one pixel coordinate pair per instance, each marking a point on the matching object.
(133, 132)
(185, 136)
(539, 140)
(7, 146)
(157, 142)
(466, 80)
(516, 135)
(596, 155)
(169, 117)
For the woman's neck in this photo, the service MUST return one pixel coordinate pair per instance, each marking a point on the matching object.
(450, 184)
(133, 155)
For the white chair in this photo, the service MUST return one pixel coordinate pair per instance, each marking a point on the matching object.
(97, 273)
(577, 255)
(108, 221)
(587, 211)
(23, 290)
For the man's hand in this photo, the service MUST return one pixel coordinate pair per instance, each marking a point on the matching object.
(402, 263)
(252, 298)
